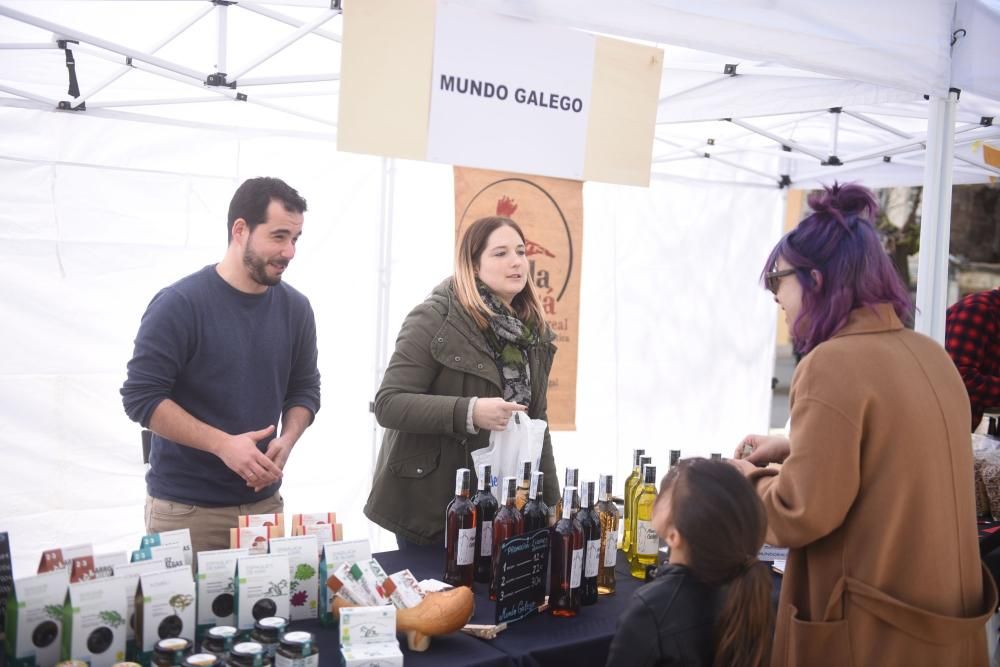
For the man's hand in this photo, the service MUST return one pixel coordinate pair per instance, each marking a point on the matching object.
(240, 454)
(763, 449)
(744, 466)
(278, 451)
(494, 413)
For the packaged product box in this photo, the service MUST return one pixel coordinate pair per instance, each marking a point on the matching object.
(276, 522)
(324, 532)
(128, 574)
(368, 636)
(35, 608)
(254, 538)
(170, 538)
(216, 583)
(369, 575)
(314, 519)
(82, 569)
(303, 565)
(172, 555)
(342, 584)
(333, 555)
(105, 564)
(404, 590)
(6, 581)
(57, 559)
(386, 654)
(261, 588)
(95, 622)
(164, 609)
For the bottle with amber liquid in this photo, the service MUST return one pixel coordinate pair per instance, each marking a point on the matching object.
(590, 522)
(646, 540)
(630, 483)
(460, 534)
(629, 549)
(566, 563)
(506, 524)
(608, 515)
(486, 507)
(572, 479)
(535, 512)
(523, 486)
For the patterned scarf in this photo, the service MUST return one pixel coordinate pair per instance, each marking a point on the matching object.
(509, 339)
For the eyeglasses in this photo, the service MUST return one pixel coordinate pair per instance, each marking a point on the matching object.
(773, 278)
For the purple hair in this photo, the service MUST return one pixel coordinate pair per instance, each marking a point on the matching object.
(839, 241)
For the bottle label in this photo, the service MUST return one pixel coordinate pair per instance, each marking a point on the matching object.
(574, 577)
(593, 558)
(310, 661)
(486, 544)
(466, 546)
(611, 548)
(646, 540)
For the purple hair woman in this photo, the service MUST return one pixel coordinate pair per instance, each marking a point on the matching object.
(873, 494)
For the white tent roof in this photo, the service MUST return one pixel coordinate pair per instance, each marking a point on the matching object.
(106, 205)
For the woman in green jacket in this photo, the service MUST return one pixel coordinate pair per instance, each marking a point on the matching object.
(474, 353)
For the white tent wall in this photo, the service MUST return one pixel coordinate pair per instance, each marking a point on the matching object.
(675, 337)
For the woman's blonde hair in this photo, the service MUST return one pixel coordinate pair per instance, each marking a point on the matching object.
(525, 304)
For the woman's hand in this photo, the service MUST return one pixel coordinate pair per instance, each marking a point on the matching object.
(763, 449)
(494, 413)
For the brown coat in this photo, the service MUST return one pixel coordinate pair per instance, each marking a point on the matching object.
(875, 502)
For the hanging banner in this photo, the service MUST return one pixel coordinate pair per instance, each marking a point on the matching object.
(550, 213)
(433, 80)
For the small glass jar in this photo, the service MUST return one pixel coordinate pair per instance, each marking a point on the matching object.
(171, 651)
(297, 649)
(203, 660)
(267, 632)
(249, 654)
(219, 640)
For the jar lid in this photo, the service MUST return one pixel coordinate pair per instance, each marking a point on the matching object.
(172, 645)
(273, 623)
(223, 631)
(202, 660)
(248, 649)
(297, 639)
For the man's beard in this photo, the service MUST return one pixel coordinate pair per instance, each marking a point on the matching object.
(257, 267)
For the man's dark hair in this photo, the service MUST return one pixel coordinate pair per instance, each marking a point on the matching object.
(251, 200)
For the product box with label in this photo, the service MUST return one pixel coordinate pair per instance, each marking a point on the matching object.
(217, 588)
(35, 610)
(105, 564)
(171, 554)
(373, 655)
(404, 590)
(303, 564)
(171, 538)
(369, 575)
(164, 609)
(324, 532)
(95, 623)
(261, 588)
(57, 559)
(276, 522)
(334, 555)
(314, 519)
(254, 538)
(129, 574)
(368, 636)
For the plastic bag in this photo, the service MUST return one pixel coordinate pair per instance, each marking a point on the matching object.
(520, 441)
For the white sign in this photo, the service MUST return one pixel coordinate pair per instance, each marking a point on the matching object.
(508, 94)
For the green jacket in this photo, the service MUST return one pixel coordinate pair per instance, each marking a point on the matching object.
(441, 360)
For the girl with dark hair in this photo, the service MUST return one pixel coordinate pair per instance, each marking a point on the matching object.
(474, 352)
(874, 497)
(711, 604)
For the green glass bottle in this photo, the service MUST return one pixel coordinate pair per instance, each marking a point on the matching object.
(630, 483)
(628, 543)
(645, 538)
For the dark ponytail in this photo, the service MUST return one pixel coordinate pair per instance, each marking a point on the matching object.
(723, 523)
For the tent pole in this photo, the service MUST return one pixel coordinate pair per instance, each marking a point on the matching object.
(935, 217)
(222, 15)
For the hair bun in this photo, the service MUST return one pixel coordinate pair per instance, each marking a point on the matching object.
(845, 203)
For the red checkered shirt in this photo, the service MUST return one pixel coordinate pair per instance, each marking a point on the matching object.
(972, 337)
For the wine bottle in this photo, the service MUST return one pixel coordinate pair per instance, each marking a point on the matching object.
(525, 482)
(630, 483)
(572, 479)
(629, 545)
(566, 545)
(608, 514)
(646, 542)
(506, 524)
(590, 522)
(460, 534)
(486, 507)
(535, 511)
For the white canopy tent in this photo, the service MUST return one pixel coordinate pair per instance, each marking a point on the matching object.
(108, 203)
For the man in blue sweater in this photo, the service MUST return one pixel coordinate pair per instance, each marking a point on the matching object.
(221, 356)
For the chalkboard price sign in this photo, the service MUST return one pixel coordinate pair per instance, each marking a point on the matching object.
(523, 563)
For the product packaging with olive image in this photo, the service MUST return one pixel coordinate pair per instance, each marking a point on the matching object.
(34, 619)
(95, 622)
(129, 573)
(217, 588)
(335, 554)
(164, 609)
(261, 588)
(303, 581)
